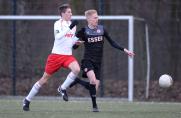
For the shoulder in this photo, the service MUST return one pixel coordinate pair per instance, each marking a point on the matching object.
(57, 22)
(100, 29)
(82, 30)
(61, 22)
(100, 26)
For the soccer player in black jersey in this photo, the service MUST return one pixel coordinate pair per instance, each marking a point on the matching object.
(93, 37)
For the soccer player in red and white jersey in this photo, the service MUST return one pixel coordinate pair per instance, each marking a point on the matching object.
(61, 56)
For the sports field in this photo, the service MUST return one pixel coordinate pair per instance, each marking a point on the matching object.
(81, 108)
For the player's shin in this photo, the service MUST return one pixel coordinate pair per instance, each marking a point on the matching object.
(62, 89)
(33, 91)
(81, 82)
(70, 78)
(92, 92)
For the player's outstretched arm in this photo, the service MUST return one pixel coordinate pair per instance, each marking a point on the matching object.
(114, 44)
(80, 35)
(77, 44)
(129, 53)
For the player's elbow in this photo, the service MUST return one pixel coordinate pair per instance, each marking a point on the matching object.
(75, 46)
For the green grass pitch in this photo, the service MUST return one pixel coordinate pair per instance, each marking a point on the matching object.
(57, 108)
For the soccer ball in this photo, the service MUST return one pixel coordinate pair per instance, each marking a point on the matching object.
(165, 81)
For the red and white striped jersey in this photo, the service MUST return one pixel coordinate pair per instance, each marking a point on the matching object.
(64, 37)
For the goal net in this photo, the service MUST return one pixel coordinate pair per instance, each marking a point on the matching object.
(26, 42)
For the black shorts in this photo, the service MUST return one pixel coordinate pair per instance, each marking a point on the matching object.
(87, 65)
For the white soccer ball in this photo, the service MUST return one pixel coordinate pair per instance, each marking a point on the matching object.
(165, 81)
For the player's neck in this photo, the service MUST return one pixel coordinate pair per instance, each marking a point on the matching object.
(91, 26)
(67, 21)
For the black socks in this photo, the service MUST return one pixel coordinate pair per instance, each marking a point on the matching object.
(92, 92)
(90, 87)
(83, 83)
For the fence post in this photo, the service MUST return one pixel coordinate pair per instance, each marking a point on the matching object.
(14, 51)
(100, 12)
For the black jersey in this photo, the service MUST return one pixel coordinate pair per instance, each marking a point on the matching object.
(94, 40)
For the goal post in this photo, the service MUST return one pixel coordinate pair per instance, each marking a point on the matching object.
(129, 18)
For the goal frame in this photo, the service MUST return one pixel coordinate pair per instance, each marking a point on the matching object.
(130, 20)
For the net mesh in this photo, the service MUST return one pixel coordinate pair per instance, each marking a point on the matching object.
(34, 41)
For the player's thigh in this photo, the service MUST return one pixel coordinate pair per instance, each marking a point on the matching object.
(53, 64)
(86, 65)
(91, 76)
(74, 67)
(97, 70)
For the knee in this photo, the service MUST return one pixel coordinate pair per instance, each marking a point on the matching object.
(93, 82)
(76, 71)
(43, 80)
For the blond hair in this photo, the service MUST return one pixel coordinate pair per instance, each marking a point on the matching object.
(90, 12)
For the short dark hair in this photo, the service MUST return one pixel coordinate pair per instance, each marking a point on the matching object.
(62, 8)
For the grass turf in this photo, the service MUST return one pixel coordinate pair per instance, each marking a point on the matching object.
(55, 108)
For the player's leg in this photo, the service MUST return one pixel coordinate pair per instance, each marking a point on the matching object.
(86, 65)
(52, 65)
(75, 69)
(35, 89)
(94, 78)
(92, 90)
(97, 71)
(97, 84)
(85, 84)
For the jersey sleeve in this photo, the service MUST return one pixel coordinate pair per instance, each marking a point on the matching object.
(112, 42)
(60, 31)
(80, 35)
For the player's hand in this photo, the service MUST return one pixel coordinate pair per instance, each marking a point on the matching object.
(131, 54)
(79, 42)
(73, 24)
